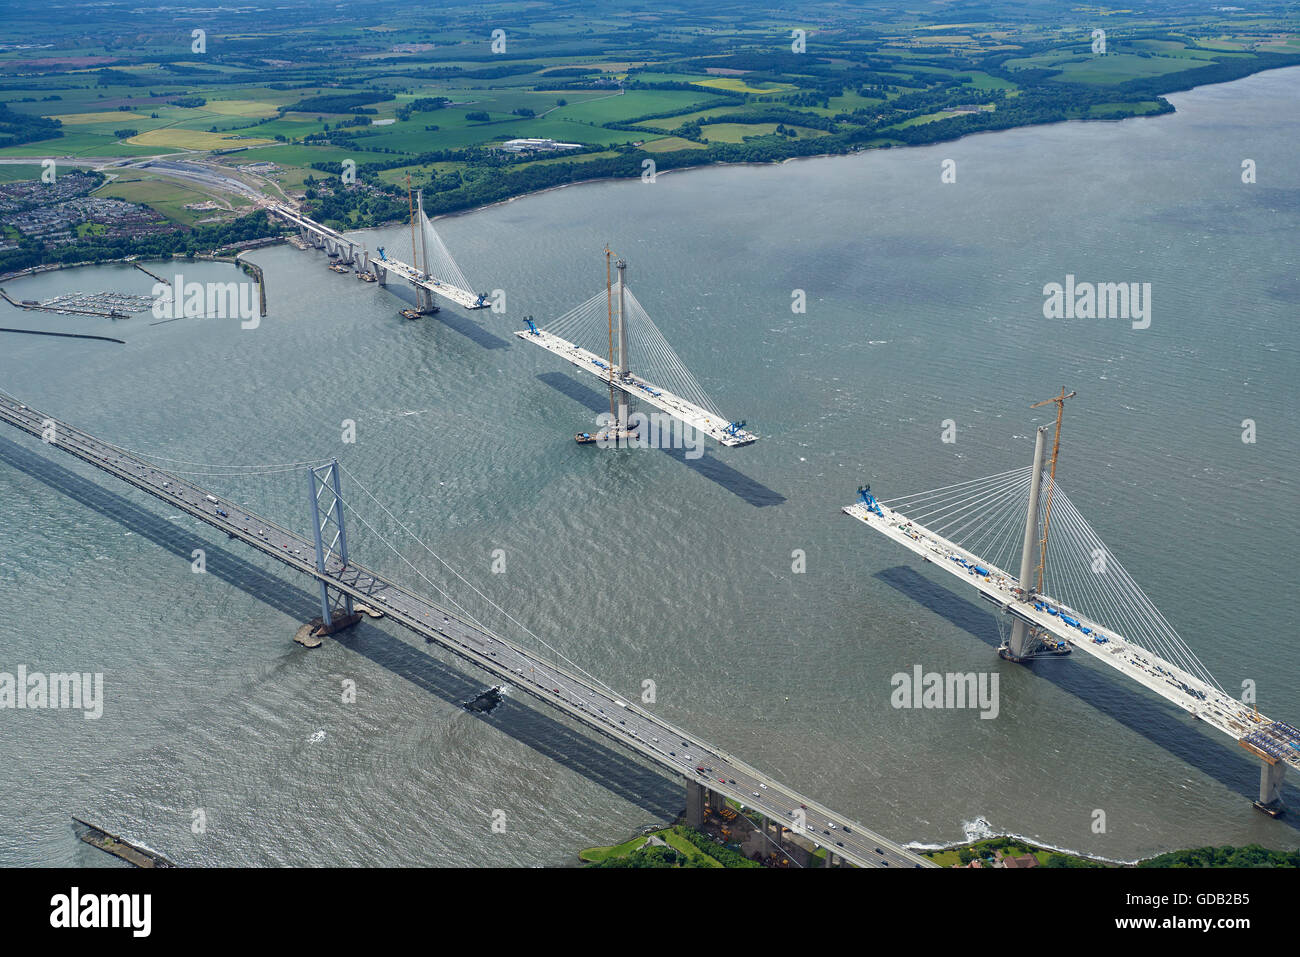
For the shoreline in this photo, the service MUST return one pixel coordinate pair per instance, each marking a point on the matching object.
(856, 152)
(693, 168)
(132, 260)
(927, 850)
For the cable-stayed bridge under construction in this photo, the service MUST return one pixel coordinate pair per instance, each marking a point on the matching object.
(663, 380)
(615, 319)
(427, 265)
(979, 529)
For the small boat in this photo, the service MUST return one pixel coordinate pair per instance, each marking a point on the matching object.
(366, 276)
(606, 435)
(486, 701)
(409, 314)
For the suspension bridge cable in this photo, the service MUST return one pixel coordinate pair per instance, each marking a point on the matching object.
(451, 601)
(473, 587)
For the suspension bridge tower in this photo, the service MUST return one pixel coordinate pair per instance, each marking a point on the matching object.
(325, 498)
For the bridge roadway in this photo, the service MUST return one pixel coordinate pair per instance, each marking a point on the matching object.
(1166, 679)
(591, 705)
(462, 297)
(688, 412)
(304, 222)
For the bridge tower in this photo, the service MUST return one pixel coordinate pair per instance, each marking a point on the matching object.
(624, 359)
(1271, 773)
(423, 297)
(326, 500)
(623, 367)
(1021, 641)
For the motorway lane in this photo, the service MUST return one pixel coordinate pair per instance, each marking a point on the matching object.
(582, 698)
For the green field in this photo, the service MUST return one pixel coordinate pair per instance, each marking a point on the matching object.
(675, 837)
(13, 172)
(871, 76)
(167, 196)
(736, 132)
(668, 144)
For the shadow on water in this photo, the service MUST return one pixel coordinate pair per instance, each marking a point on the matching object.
(450, 316)
(1136, 709)
(516, 716)
(715, 470)
(617, 772)
(468, 328)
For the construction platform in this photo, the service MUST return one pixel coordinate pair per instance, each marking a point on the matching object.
(1002, 589)
(709, 423)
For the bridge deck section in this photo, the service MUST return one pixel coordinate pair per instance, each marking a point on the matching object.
(585, 701)
(1001, 588)
(707, 422)
(462, 297)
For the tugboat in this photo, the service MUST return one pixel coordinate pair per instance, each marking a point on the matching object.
(1272, 810)
(484, 703)
(1047, 645)
(610, 434)
(409, 314)
(366, 276)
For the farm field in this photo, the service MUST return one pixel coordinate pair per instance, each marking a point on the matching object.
(428, 97)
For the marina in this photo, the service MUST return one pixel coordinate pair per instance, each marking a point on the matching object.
(108, 305)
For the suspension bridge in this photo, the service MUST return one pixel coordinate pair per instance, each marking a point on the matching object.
(614, 317)
(974, 530)
(710, 773)
(427, 266)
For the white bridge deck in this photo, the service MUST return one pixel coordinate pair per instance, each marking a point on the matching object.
(408, 272)
(462, 297)
(1167, 680)
(303, 222)
(688, 412)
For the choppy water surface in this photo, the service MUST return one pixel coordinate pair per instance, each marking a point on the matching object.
(924, 304)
